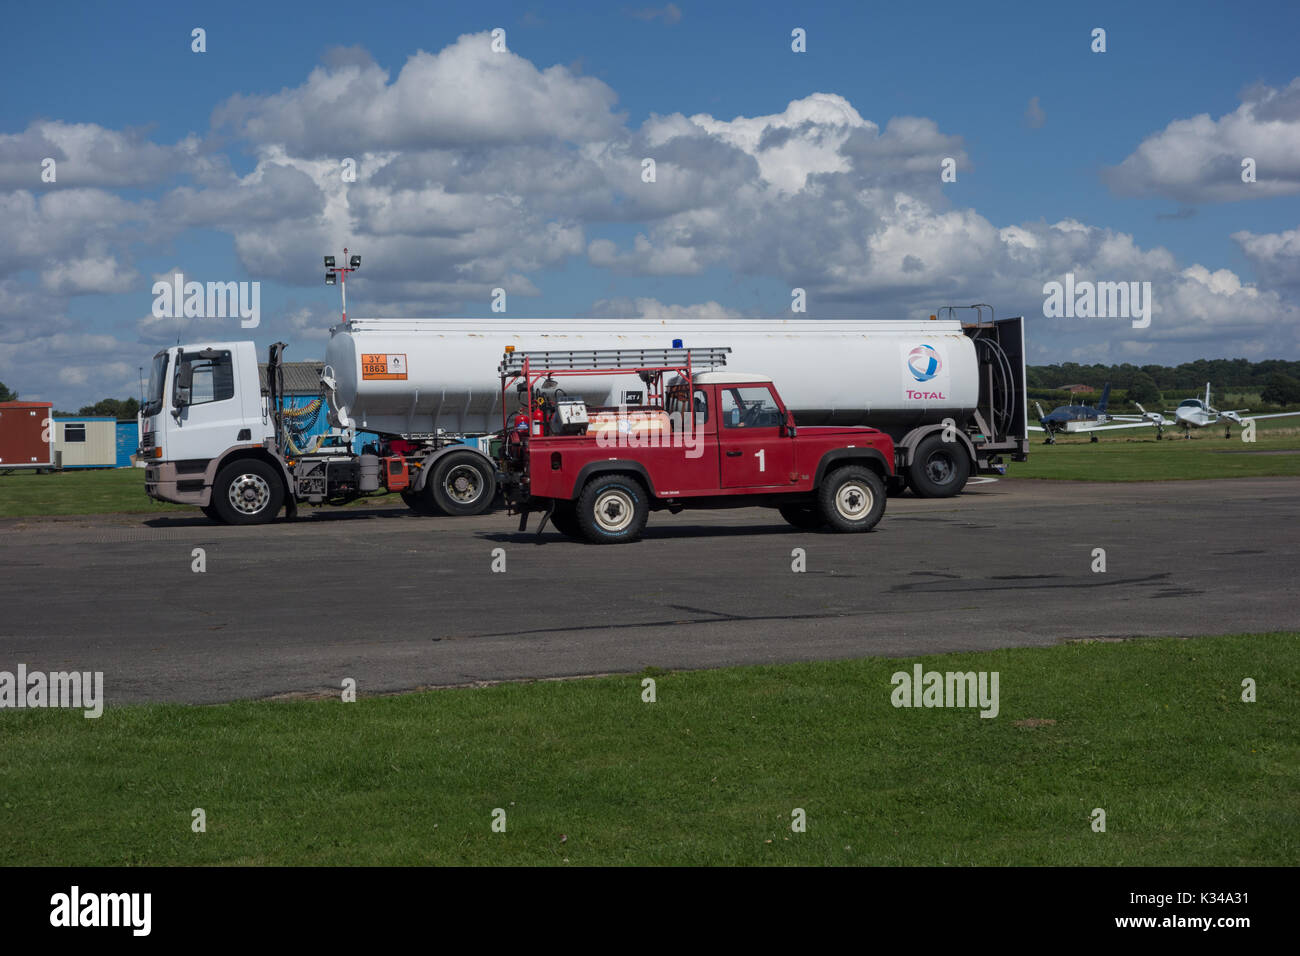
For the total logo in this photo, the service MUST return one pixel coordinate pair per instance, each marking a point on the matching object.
(924, 363)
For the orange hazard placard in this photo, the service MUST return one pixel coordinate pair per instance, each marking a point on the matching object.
(380, 366)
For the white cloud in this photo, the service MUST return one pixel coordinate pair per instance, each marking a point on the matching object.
(1275, 256)
(464, 95)
(1035, 118)
(95, 273)
(1200, 159)
(650, 308)
(86, 154)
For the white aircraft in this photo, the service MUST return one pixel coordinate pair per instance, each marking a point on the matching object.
(1197, 413)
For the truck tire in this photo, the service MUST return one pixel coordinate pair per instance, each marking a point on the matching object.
(462, 483)
(851, 499)
(612, 508)
(939, 468)
(565, 519)
(211, 512)
(247, 492)
(803, 517)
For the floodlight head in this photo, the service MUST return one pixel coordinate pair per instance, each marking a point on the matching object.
(356, 262)
(330, 279)
(329, 262)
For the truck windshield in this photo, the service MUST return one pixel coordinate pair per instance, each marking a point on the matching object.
(157, 376)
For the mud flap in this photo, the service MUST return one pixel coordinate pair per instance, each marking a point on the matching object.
(546, 515)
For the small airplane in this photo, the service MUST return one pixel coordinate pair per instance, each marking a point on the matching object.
(1076, 419)
(1199, 413)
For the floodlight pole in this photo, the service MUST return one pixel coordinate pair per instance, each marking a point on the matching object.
(349, 265)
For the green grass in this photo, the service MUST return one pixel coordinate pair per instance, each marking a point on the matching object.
(1135, 455)
(1152, 731)
(25, 493)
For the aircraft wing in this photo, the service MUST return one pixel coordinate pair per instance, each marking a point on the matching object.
(1102, 428)
(1081, 429)
(1274, 415)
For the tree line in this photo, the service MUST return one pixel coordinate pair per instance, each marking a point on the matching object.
(121, 409)
(1276, 381)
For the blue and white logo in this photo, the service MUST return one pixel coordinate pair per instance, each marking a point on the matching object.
(923, 362)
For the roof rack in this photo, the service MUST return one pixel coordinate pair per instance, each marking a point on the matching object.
(612, 359)
(978, 307)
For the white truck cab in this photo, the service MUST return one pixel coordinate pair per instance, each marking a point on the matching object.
(204, 404)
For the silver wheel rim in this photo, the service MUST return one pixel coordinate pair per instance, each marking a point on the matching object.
(249, 494)
(853, 500)
(463, 484)
(613, 510)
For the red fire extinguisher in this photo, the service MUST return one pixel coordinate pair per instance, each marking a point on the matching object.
(539, 415)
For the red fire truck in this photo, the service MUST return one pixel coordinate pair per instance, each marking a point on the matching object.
(699, 436)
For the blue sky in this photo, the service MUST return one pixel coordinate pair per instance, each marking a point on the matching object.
(968, 70)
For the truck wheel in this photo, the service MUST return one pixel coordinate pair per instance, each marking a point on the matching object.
(612, 508)
(211, 512)
(247, 492)
(939, 468)
(565, 519)
(462, 483)
(804, 517)
(852, 498)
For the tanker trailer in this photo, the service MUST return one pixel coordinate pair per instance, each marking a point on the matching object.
(950, 394)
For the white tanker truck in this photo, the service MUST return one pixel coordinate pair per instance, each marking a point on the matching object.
(950, 394)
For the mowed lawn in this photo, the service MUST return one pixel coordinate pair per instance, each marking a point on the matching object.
(1153, 732)
(1136, 455)
(78, 492)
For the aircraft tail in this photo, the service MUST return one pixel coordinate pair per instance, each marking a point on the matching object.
(1105, 398)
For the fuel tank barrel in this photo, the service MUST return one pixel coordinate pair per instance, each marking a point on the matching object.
(414, 376)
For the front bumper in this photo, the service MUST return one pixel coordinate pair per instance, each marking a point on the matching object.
(172, 481)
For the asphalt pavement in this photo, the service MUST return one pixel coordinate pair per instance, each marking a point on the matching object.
(396, 601)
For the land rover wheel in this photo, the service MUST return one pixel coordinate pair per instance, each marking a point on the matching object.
(852, 499)
(612, 509)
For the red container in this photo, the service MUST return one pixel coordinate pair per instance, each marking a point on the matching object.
(26, 435)
(397, 474)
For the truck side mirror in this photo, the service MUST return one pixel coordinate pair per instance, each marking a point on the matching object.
(788, 428)
(183, 384)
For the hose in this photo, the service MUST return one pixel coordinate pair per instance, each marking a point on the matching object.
(298, 423)
(1001, 403)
